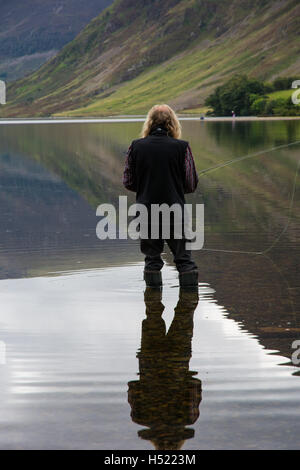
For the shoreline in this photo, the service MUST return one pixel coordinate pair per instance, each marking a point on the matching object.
(138, 118)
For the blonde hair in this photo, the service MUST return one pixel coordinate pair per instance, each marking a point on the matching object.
(162, 115)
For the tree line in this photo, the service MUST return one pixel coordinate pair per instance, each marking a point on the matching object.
(246, 96)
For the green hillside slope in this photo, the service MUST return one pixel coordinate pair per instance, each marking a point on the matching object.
(136, 53)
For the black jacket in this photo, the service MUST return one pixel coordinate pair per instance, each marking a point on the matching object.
(160, 169)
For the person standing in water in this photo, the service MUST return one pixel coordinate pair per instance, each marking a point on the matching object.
(160, 168)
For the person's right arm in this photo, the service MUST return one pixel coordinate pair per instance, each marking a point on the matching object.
(190, 174)
(129, 180)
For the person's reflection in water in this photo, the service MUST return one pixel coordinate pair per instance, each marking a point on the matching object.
(166, 398)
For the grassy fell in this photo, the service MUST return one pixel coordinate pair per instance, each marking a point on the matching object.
(137, 53)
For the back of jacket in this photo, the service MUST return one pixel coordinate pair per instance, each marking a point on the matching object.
(159, 168)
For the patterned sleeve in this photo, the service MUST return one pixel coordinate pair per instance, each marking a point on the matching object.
(128, 175)
(190, 173)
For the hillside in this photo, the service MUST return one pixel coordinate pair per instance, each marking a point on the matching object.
(136, 53)
(32, 32)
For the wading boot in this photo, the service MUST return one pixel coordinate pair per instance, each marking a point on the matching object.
(153, 278)
(189, 279)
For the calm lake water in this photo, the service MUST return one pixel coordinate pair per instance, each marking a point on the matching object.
(89, 359)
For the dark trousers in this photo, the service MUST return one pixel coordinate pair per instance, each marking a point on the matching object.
(153, 249)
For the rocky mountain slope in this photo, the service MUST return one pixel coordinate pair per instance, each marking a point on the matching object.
(32, 32)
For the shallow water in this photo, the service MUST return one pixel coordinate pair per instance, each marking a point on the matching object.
(92, 360)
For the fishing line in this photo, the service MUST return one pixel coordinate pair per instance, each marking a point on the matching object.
(287, 284)
(238, 159)
(244, 157)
